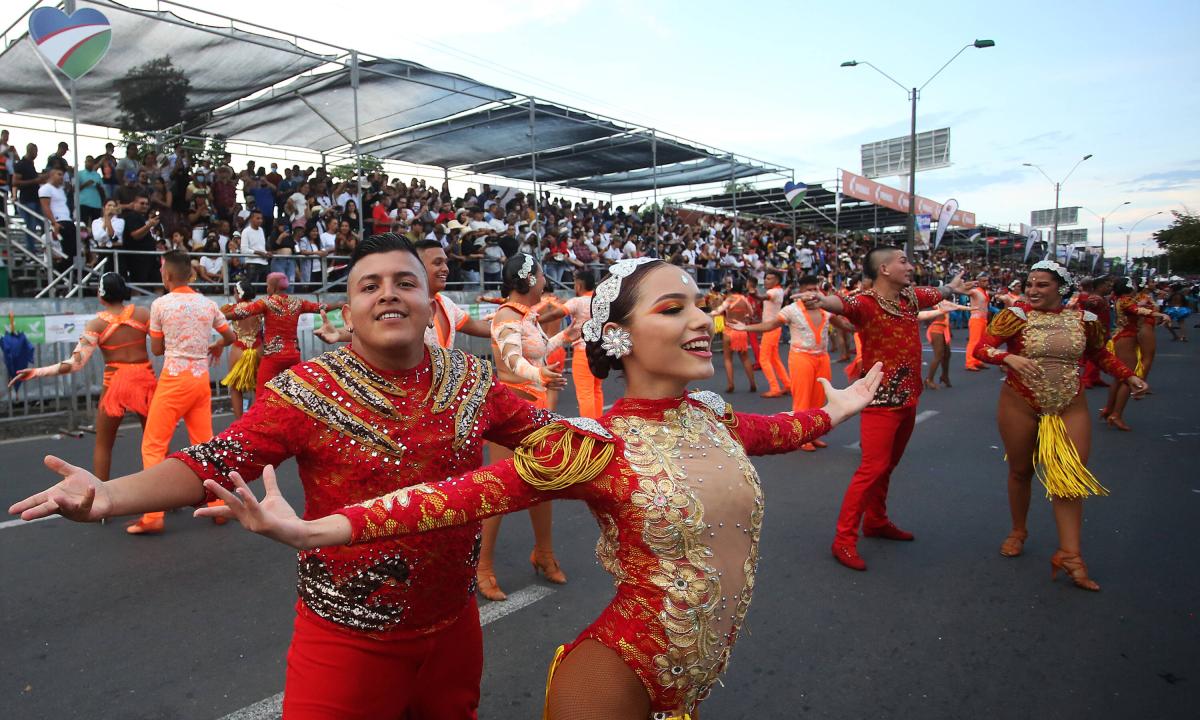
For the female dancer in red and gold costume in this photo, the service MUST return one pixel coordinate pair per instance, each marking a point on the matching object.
(1043, 414)
(520, 348)
(1134, 319)
(736, 309)
(666, 475)
(119, 330)
(281, 313)
(244, 354)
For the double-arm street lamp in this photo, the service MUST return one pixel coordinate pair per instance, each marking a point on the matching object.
(913, 94)
(1130, 232)
(1102, 219)
(1057, 189)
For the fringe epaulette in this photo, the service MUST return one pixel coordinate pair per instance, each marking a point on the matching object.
(564, 453)
(1007, 323)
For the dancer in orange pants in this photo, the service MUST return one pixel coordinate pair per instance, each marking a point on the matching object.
(181, 323)
(589, 390)
(808, 359)
(978, 322)
(772, 365)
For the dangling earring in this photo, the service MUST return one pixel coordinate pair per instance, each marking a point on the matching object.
(350, 330)
(616, 342)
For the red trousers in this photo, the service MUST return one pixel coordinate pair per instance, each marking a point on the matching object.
(884, 435)
(272, 365)
(338, 674)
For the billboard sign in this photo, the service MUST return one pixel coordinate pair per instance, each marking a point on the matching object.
(1045, 218)
(1074, 236)
(892, 157)
(860, 188)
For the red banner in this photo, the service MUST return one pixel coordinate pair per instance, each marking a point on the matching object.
(860, 188)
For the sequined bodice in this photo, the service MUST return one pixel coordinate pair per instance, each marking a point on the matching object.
(702, 508)
(1056, 342)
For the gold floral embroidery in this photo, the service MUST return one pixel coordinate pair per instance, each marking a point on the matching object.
(673, 530)
(1055, 341)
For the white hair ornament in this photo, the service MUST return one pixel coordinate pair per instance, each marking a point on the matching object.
(606, 293)
(1063, 274)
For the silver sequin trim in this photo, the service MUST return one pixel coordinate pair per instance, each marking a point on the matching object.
(588, 425)
(711, 400)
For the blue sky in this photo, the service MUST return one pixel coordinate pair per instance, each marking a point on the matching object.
(1115, 79)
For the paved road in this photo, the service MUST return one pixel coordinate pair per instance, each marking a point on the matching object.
(194, 624)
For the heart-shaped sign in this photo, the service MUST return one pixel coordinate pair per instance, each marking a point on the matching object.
(73, 44)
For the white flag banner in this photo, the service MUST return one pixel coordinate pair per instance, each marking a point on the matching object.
(944, 218)
(1033, 237)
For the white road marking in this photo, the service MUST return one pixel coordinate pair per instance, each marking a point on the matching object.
(921, 417)
(272, 707)
(19, 522)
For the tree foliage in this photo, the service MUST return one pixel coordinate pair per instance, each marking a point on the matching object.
(1181, 241)
(367, 163)
(152, 96)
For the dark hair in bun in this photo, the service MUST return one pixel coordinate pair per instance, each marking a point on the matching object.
(511, 282)
(245, 290)
(113, 288)
(600, 362)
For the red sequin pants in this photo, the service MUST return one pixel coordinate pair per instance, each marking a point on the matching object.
(338, 674)
(884, 435)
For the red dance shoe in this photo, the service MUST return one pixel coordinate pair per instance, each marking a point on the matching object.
(820, 444)
(848, 556)
(808, 447)
(888, 532)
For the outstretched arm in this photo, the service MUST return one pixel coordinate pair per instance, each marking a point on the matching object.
(545, 468)
(785, 432)
(766, 325)
(78, 359)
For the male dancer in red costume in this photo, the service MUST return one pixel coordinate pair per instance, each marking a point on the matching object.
(886, 319)
(281, 314)
(385, 628)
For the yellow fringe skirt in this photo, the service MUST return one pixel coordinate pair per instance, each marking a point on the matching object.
(1057, 463)
(244, 373)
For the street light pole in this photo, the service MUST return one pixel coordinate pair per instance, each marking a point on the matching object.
(913, 94)
(1103, 219)
(1057, 189)
(910, 242)
(1129, 232)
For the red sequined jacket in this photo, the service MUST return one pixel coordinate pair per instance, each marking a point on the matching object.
(891, 334)
(1056, 341)
(356, 433)
(680, 511)
(281, 313)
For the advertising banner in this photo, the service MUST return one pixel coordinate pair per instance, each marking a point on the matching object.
(944, 218)
(859, 187)
(922, 242)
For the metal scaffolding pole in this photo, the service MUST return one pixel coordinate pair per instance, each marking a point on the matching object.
(654, 171)
(358, 180)
(533, 155)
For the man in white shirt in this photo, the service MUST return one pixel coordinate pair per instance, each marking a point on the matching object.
(53, 199)
(254, 244)
(629, 249)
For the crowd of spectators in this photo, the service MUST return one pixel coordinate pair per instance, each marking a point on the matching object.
(305, 222)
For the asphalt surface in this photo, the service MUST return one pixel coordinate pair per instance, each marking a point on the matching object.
(195, 623)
